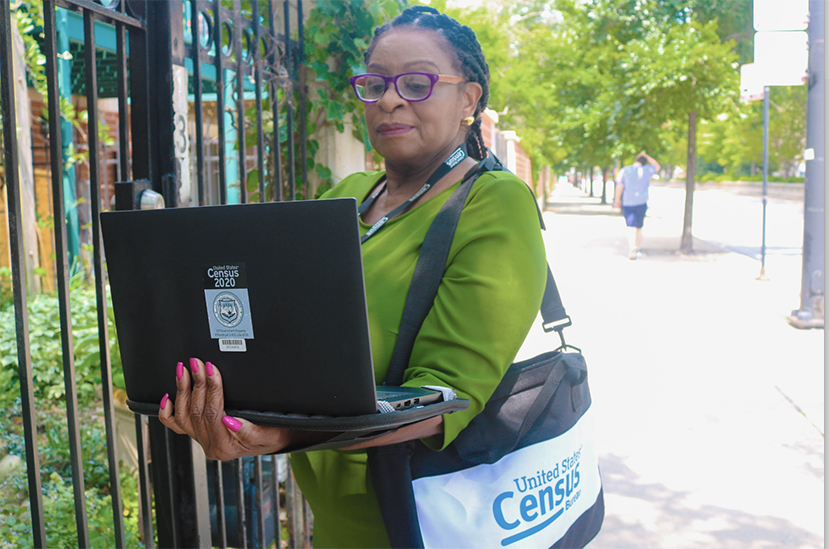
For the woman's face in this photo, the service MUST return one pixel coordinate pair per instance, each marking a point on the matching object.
(419, 132)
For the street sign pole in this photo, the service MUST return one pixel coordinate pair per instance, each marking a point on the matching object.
(763, 275)
(811, 312)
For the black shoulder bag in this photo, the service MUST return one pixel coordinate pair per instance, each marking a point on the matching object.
(524, 472)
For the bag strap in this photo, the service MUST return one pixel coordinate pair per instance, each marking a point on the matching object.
(557, 374)
(389, 466)
(392, 482)
(429, 270)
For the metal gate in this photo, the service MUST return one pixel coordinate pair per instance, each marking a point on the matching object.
(196, 84)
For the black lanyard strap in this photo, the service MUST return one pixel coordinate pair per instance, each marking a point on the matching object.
(451, 162)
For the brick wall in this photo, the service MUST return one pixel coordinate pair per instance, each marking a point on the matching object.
(489, 130)
(523, 167)
(487, 127)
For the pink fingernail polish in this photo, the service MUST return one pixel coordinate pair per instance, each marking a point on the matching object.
(209, 368)
(231, 424)
(164, 400)
(179, 371)
(194, 365)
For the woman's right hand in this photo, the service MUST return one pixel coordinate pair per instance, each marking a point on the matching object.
(199, 412)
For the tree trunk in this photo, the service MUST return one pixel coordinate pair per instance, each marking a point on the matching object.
(604, 181)
(691, 162)
(591, 182)
(24, 159)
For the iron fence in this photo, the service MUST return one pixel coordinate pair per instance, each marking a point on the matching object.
(173, 59)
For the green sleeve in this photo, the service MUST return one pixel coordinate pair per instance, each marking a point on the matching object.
(489, 297)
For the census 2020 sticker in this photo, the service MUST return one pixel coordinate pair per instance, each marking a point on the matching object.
(228, 305)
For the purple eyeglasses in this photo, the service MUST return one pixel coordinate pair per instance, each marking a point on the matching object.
(411, 86)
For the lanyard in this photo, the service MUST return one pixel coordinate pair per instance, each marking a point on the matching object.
(451, 162)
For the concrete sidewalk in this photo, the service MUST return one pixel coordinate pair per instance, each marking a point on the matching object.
(709, 407)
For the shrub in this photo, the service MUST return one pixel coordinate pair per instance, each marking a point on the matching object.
(53, 436)
(46, 353)
(709, 176)
(59, 507)
(756, 177)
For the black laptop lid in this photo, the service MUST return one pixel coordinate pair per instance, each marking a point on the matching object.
(283, 281)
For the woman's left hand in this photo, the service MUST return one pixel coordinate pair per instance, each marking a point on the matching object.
(199, 412)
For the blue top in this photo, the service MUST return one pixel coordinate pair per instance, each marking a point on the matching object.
(635, 180)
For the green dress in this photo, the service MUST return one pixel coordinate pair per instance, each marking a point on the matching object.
(487, 301)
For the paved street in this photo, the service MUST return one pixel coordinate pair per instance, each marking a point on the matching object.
(710, 407)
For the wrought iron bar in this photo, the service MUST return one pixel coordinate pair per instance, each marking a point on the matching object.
(100, 282)
(21, 314)
(275, 506)
(144, 492)
(260, 135)
(169, 461)
(196, 48)
(258, 499)
(239, 475)
(301, 85)
(105, 14)
(123, 103)
(166, 47)
(62, 278)
(137, 144)
(307, 521)
(142, 165)
(289, 92)
(294, 510)
(180, 486)
(274, 60)
(236, 42)
(218, 489)
(220, 100)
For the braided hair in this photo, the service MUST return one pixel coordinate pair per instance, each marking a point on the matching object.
(467, 50)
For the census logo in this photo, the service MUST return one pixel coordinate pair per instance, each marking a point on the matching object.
(227, 308)
(529, 498)
(536, 500)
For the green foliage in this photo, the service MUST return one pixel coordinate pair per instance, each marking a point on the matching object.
(724, 177)
(5, 289)
(29, 18)
(337, 33)
(45, 348)
(735, 140)
(53, 437)
(59, 508)
(588, 83)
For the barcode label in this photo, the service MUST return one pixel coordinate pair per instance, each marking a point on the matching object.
(232, 345)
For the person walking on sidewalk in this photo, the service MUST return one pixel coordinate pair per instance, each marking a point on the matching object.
(631, 194)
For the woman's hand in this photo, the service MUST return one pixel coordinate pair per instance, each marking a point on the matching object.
(199, 412)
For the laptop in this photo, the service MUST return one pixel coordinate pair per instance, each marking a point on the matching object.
(271, 293)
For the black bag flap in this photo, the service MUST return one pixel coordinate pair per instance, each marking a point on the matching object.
(495, 432)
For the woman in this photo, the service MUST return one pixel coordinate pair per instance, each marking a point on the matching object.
(489, 296)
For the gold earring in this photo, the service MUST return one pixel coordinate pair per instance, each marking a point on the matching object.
(468, 121)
